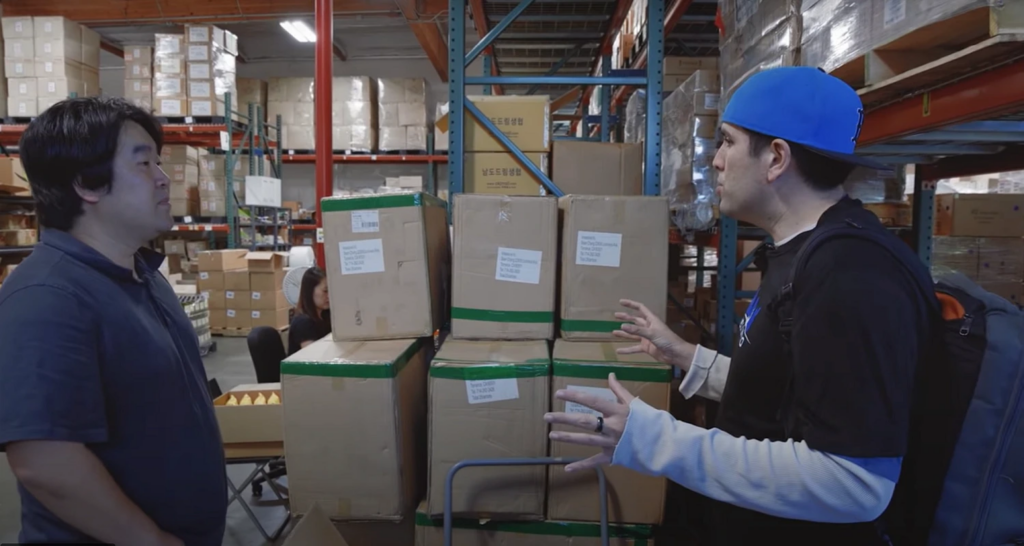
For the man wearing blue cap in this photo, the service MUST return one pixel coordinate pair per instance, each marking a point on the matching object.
(815, 411)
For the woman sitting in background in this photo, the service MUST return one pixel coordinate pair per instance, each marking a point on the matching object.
(312, 314)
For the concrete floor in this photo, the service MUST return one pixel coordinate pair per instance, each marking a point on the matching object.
(231, 366)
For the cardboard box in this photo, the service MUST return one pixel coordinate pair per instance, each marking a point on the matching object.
(193, 248)
(184, 207)
(613, 248)
(430, 532)
(18, 27)
(22, 107)
(487, 401)
(632, 497)
(171, 107)
(504, 261)
(23, 88)
(60, 88)
(20, 48)
(373, 391)
(598, 168)
(387, 265)
(215, 299)
(268, 301)
(237, 280)
(266, 282)
(223, 260)
(174, 246)
(209, 280)
(250, 423)
(263, 262)
(20, 68)
(237, 318)
(525, 120)
(235, 299)
(12, 176)
(274, 318)
(502, 174)
(1001, 259)
(979, 215)
(18, 237)
(316, 529)
(212, 206)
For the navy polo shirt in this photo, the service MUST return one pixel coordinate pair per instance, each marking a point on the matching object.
(91, 353)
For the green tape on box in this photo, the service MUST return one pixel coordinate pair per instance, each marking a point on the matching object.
(640, 533)
(353, 369)
(490, 371)
(395, 200)
(490, 315)
(589, 369)
(592, 326)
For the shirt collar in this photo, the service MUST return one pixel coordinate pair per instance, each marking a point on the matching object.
(146, 259)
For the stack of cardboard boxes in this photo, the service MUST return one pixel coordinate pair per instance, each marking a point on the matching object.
(46, 60)
(17, 223)
(485, 392)
(181, 163)
(292, 99)
(354, 113)
(253, 91)
(244, 289)
(210, 70)
(170, 90)
(183, 256)
(489, 168)
(138, 76)
(213, 183)
(402, 107)
(980, 235)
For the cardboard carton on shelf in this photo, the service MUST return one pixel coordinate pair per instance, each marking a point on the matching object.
(487, 401)
(504, 262)
(12, 176)
(502, 174)
(979, 215)
(387, 265)
(375, 392)
(525, 120)
(261, 420)
(632, 497)
(598, 168)
(222, 260)
(613, 248)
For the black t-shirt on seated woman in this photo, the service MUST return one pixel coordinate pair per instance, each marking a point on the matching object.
(304, 328)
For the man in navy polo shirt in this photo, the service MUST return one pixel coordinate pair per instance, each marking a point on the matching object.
(104, 411)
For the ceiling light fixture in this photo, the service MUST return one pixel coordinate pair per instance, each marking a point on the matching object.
(299, 31)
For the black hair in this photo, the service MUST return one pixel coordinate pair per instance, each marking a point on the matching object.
(73, 144)
(310, 280)
(821, 173)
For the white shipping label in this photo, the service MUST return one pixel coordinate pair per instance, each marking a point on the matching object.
(19, 68)
(198, 34)
(170, 107)
(202, 108)
(199, 90)
(711, 101)
(362, 256)
(22, 88)
(204, 275)
(17, 48)
(51, 87)
(48, 66)
(231, 313)
(256, 295)
(894, 11)
(199, 71)
(518, 265)
(229, 295)
(198, 53)
(365, 221)
(138, 86)
(600, 392)
(47, 47)
(491, 390)
(18, 27)
(597, 248)
(255, 314)
(47, 27)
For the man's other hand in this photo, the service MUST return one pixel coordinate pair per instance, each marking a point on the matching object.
(653, 337)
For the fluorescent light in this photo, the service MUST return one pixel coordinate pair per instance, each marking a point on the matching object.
(299, 31)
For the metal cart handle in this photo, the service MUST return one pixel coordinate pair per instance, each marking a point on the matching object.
(602, 487)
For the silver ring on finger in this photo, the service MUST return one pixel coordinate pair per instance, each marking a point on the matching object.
(600, 424)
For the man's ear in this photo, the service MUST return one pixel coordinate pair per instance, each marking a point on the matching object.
(779, 160)
(89, 196)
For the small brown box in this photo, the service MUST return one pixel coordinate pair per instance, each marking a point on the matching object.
(236, 299)
(262, 262)
(255, 423)
(236, 280)
(238, 318)
(266, 282)
(215, 299)
(210, 280)
(222, 260)
(268, 301)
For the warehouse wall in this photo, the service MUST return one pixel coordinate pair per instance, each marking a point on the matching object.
(299, 180)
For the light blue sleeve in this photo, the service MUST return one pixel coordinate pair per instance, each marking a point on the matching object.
(782, 479)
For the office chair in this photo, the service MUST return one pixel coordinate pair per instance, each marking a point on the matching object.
(267, 351)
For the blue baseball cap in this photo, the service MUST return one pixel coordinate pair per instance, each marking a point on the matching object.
(804, 105)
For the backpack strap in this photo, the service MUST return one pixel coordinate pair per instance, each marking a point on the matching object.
(782, 305)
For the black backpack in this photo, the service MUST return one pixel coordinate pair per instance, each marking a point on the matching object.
(962, 480)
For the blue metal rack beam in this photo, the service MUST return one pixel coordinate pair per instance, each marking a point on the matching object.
(458, 80)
